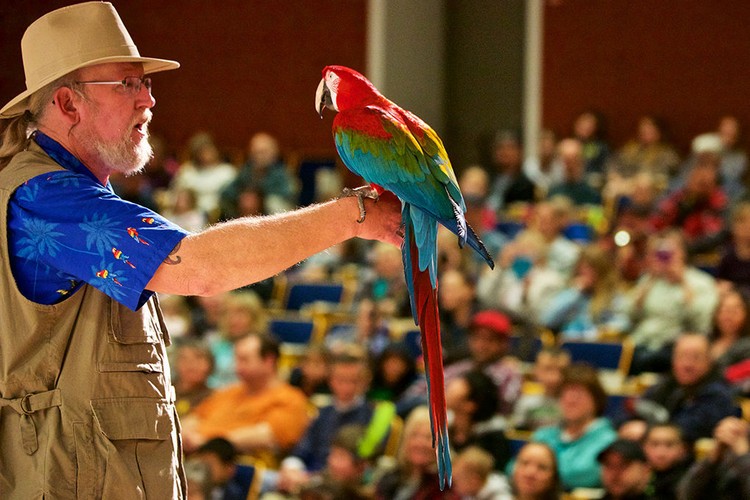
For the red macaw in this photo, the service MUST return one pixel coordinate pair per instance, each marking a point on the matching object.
(394, 150)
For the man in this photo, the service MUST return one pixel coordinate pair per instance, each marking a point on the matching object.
(349, 380)
(574, 186)
(85, 395)
(625, 471)
(693, 396)
(260, 414)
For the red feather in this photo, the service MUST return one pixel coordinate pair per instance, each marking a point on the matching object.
(426, 303)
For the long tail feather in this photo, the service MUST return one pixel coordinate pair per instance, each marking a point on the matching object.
(425, 309)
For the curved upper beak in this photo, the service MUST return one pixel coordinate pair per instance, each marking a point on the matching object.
(322, 98)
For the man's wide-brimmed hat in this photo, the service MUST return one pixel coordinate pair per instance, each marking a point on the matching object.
(74, 37)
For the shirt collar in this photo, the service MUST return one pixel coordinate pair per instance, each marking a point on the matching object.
(62, 156)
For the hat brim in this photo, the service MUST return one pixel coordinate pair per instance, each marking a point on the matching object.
(20, 103)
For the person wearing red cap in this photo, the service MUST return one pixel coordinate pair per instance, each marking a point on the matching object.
(489, 345)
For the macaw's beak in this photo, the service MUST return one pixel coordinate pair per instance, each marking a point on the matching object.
(322, 98)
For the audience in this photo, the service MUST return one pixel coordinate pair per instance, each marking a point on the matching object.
(593, 303)
(669, 456)
(472, 399)
(535, 474)
(475, 479)
(264, 172)
(620, 279)
(725, 474)
(205, 173)
(583, 431)
(194, 365)
(349, 379)
(261, 415)
(694, 394)
(489, 345)
(523, 283)
(574, 185)
(734, 266)
(671, 297)
(509, 183)
(626, 474)
(414, 475)
(542, 407)
(730, 335)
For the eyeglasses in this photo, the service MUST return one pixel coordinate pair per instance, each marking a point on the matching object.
(131, 84)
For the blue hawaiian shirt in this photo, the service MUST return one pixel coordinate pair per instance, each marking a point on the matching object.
(65, 229)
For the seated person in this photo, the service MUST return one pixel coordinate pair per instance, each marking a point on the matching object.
(474, 479)
(583, 431)
(536, 410)
(195, 362)
(574, 185)
(694, 395)
(734, 266)
(489, 345)
(311, 373)
(260, 415)
(592, 303)
(349, 380)
(625, 471)
(671, 297)
(414, 475)
(669, 457)
(698, 209)
(524, 283)
(472, 397)
(725, 474)
(535, 475)
(229, 479)
(344, 476)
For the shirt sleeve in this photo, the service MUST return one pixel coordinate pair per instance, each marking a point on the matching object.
(66, 226)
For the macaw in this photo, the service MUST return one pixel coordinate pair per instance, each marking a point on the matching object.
(392, 149)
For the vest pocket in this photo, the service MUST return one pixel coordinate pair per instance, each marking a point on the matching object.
(134, 341)
(139, 439)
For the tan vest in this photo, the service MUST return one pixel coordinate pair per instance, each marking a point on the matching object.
(86, 404)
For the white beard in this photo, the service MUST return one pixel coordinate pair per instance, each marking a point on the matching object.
(120, 155)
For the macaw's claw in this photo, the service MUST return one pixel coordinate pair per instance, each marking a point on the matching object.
(361, 193)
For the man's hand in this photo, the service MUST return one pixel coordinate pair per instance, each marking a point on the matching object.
(383, 221)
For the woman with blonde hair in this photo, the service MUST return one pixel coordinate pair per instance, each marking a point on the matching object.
(592, 303)
(414, 476)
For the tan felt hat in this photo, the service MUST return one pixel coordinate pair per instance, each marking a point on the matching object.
(74, 37)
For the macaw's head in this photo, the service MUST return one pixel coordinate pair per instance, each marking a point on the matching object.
(343, 88)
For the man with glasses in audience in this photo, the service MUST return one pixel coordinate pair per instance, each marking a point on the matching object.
(86, 403)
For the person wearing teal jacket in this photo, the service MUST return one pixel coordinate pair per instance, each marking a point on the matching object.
(583, 431)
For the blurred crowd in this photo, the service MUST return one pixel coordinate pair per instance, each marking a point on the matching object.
(637, 245)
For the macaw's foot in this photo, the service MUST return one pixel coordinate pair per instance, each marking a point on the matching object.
(361, 193)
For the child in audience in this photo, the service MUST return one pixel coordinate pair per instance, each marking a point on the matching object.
(474, 479)
(668, 455)
(537, 409)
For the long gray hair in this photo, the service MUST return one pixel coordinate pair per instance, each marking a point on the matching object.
(15, 131)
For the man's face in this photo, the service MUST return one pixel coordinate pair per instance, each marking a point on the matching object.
(623, 477)
(690, 359)
(249, 365)
(113, 125)
(486, 345)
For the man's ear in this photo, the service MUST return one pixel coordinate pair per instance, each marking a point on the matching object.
(65, 102)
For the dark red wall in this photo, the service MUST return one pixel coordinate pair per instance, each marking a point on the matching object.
(684, 60)
(247, 65)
